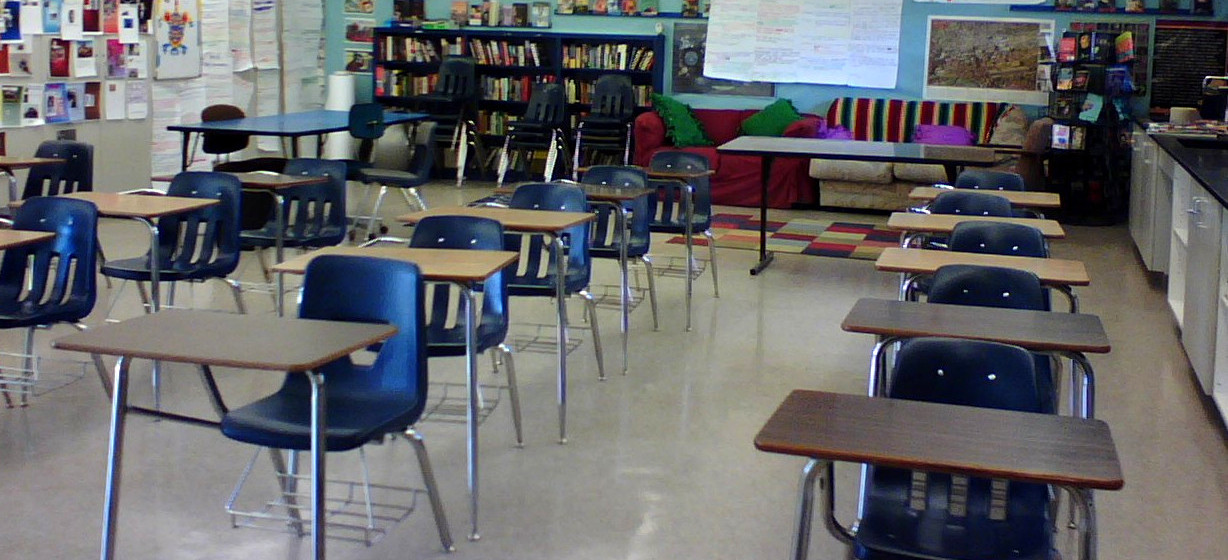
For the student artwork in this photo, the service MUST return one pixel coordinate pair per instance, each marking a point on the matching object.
(19, 60)
(110, 16)
(83, 59)
(51, 16)
(10, 22)
(56, 103)
(91, 16)
(177, 36)
(116, 59)
(57, 58)
(32, 105)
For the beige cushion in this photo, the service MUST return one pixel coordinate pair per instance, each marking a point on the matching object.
(920, 173)
(855, 171)
(842, 194)
(1010, 128)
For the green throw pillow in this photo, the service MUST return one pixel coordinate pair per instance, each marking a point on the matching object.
(680, 123)
(772, 120)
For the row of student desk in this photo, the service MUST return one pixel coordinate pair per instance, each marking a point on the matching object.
(1073, 452)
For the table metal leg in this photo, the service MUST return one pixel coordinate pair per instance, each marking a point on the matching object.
(280, 297)
(184, 156)
(1070, 297)
(119, 411)
(280, 239)
(689, 211)
(155, 281)
(471, 418)
(319, 422)
(805, 509)
(560, 295)
(765, 256)
(625, 292)
(1083, 384)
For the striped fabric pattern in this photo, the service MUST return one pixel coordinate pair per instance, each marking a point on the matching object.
(893, 120)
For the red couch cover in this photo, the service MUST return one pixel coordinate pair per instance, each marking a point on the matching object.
(736, 181)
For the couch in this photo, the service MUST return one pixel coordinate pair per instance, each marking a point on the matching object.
(885, 186)
(736, 181)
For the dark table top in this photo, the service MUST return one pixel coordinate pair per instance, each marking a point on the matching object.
(962, 440)
(291, 124)
(858, 151)
(264, 342)
(1207, 165)
(1034, 330)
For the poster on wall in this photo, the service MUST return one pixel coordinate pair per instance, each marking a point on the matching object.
(176, 39)
(51, 16)
(10, 22)
(961, 49)
(690, 42)
(31, 17)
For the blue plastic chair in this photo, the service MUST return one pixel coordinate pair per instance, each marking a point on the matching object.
(993, 238)
(606, 240)
(406, 180)
(442, 339)
(193, 246)
(607, 126)
(76, 174)
(50, 282)
(314, 214)
(364, 402)
(540, 128)
(537, 276)
(667, 207)
(988, 179)
(907, 515)
(969, 203)
(453, 106)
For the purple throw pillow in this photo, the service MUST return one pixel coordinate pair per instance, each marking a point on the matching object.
(942, 134)
(834, 133)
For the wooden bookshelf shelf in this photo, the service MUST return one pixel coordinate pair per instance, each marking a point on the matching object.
(1118, 12)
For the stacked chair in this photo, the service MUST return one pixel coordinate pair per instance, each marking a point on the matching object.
(540, 129)
(453, 106)
(607, 126)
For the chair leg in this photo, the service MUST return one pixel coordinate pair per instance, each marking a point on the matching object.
(575, 156)
(413, 198)
(652, 291)
(287, 490)
(371, 220)
(503, 160)
(462, 152)
(590, 306)
(28, 373)
(102, 259)
(513, 391)
(432, 489)
(236, 290)
(552, 156)
(264, 266)
(140, 288)
(716, 289)
(627, 147)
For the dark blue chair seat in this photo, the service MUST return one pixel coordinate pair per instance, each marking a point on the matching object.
(315, 214)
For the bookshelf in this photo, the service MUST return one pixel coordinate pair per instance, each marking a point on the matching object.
(509, 62)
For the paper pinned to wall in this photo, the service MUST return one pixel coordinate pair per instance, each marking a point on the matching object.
(268, 102)
(129, 23)
(31, 19)
(266, 47)
(137, 100)
(72, 26)
(842, 42)
(115, 100)
(177, 38)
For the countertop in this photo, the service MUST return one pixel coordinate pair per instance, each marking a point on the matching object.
(1208, 166)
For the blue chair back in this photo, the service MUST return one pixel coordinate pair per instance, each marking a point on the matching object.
(998, 238)
(370, 290)
(367, 125)
(613, 97)
(987, 286)
(423, 158)
(471, 233)
(57, 280)
(534, 273)
(669, 216)
(605, 235)
(315, 214)
(457, 78)
(205, 241)
(76, 174)
(987, 179)
(967, 373)
(971, 203)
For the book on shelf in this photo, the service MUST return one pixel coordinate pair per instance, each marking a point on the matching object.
(1065, 106)
(1085, 47)
(566, 6)
(1088, 5)
(601, 7)
(649, 7)
(1064, 5)
(1118, 81)
(460, 12)
(1065, 78)
(1078, 137)
(1135, 6)
(1068, 47)
(1079, 79)
(1106, 5)
(507, 15)
(1124, 47)
(1091, 107)
(614, 7)
(1203, 7)
(539, 14)
(520, 14)
(1060, 137)
(1103, 47)
(477, 16)
(582, 6)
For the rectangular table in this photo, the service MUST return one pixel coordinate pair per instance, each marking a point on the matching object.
(1059, 274)
(616, 198)
(287, 125)
(768, 148)
(462, 267)
(9, 164)
(221, 339)
(544, 222)
(911, 223)
(960, 440)
(1022, 199)
(1069, 335)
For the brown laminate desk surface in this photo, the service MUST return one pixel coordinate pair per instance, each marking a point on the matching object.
(1039, 448)
(13, 163)
(1027, 199)
(513, 219)
(263, 342)
(905, 152)
(1034, 330)
(115, 205)
(264, 180)
(667, 174)
(1058, 272)
(944, 223)
(11, 238)
(600, 193)
(444, 265)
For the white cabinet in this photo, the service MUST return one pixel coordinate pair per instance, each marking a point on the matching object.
(1219, 384)
(1150, 202)
(1202, 273)
(1182, 208)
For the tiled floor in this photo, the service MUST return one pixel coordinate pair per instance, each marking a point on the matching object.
(660, 462)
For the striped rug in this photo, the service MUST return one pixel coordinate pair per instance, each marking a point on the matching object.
(824, 238)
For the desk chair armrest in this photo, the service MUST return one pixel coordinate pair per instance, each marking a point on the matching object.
(944, 186)
(145, 192)
(386, 239)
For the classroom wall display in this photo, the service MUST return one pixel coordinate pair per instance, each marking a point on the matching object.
(690, 42)
(10, 22)
(176, 30)
(850, 43)
(986, 59)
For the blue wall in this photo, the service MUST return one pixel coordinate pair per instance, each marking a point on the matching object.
(806, 97)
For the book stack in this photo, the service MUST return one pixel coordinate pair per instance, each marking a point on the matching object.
(608, 56)
(581, 91)
(506, 53)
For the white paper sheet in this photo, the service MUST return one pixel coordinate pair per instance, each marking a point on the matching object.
(266, 47)
(241, 34)
(84, 59)
(71, 25)
(115, 100)
(129, 25)
(137, 100)
(32, 107)
(31, 17)
(268, 102)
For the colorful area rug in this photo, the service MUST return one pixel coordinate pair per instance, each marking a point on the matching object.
(824, 238)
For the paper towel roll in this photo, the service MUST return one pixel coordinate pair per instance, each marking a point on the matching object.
(340, 145)
(1182, 115)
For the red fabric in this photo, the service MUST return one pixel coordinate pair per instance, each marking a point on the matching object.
(736, 181)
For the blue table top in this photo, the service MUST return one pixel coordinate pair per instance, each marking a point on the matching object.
(291, 124)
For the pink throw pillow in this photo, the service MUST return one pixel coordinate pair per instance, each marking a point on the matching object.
(949, 135)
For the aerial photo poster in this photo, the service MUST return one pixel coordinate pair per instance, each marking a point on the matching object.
(986, 59)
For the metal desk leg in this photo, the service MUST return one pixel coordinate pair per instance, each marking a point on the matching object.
(281, 294)
(280, 238)
(119, 411)
(625, 292)
(689, 211)
(1070, 297)
(1083, 385)
(155, 281)
(765, 256)
(319, 416)
(1082, 498)
(471, 418)
(560, 294)
(184, 156)
(805, 509)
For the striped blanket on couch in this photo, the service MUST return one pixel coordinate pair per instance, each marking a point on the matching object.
(893, 120)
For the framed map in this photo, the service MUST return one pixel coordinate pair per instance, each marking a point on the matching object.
(986, 59)
(690, 44)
